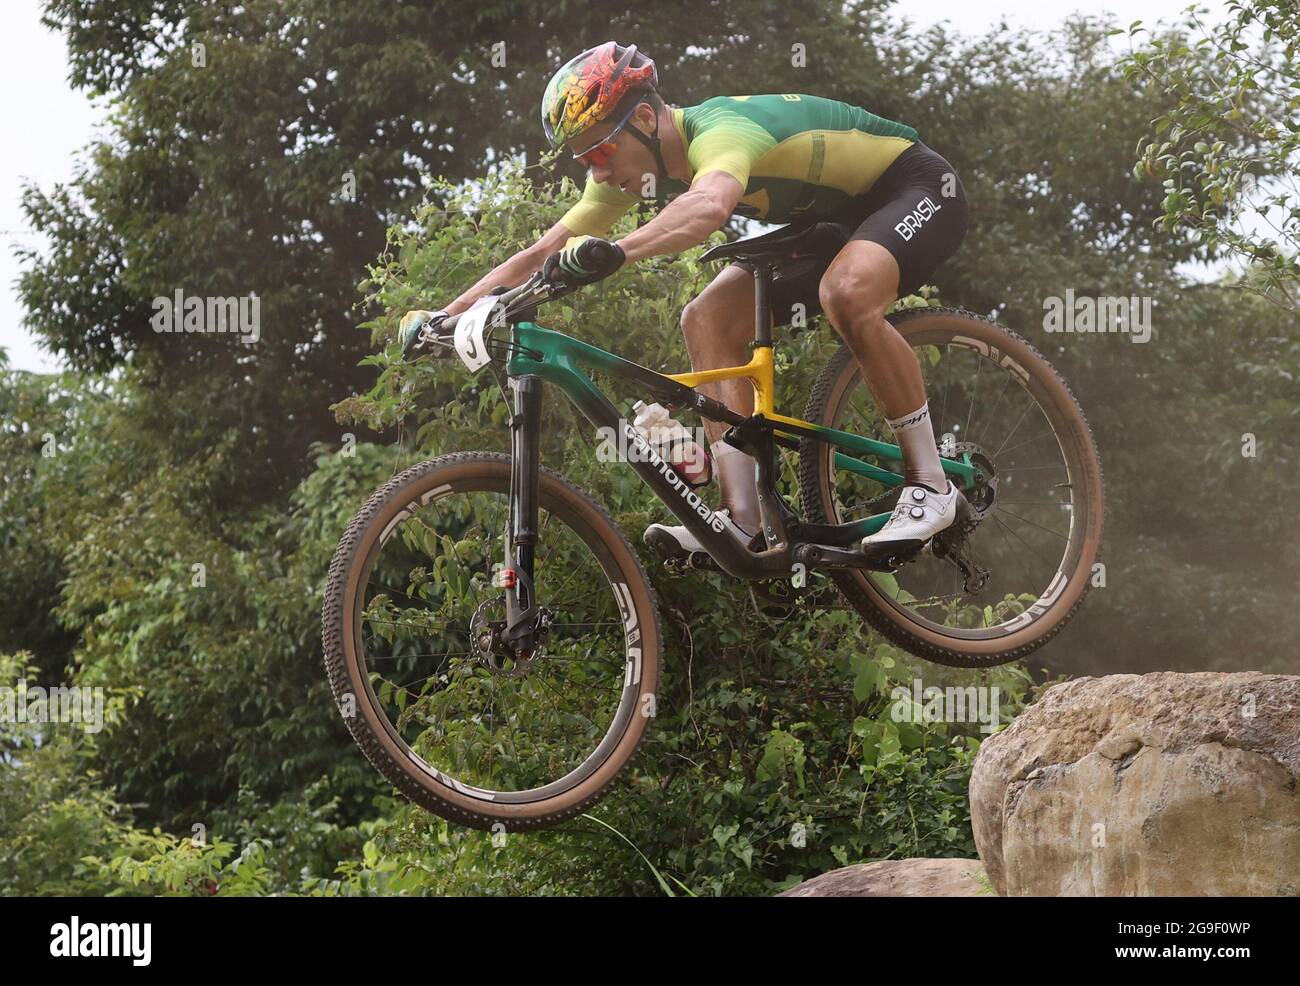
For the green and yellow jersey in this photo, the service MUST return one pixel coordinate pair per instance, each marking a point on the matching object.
(796, 156)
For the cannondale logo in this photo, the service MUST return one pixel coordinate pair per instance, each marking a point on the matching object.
(648, 454)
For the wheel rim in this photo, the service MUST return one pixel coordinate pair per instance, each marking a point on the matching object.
(982, 401)
(498, 726)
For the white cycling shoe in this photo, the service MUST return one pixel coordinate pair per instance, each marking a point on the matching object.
(919, 516)
(678, 540)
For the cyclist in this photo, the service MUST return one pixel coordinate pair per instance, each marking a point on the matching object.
(778, 158)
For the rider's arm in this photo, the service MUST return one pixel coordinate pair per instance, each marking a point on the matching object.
(687, 219)
(722, 153)
(593, 215)
(514, 270)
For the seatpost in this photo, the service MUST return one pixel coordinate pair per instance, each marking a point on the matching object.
(770, 506)
(762, 315)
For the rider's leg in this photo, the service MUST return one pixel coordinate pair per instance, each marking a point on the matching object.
(856, 290)
(718, 325)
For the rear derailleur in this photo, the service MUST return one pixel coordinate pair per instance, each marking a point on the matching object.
(951, 545)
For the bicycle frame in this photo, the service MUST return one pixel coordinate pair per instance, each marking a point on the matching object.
(542, 354)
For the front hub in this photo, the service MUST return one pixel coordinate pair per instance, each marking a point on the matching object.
(487, 638)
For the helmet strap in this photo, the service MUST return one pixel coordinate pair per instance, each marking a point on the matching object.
(652, 141)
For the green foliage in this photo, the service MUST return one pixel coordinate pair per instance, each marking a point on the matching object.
(53, 809)
(36, 416)
(748, 784)
(213, 613)
(1227, 150)
(776, 753)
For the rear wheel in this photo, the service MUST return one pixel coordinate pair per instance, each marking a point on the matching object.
(461, 722)
(1036, 530)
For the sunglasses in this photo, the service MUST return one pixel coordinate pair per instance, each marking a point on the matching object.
(598, 155)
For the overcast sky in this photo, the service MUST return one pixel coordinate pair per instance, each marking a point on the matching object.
(45, 122)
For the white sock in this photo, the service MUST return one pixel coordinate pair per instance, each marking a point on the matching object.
(921, 464)
(747, 501)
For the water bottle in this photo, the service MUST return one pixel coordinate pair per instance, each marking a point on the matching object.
(673, 442)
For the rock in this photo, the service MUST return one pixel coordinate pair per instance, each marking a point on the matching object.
(1159, 784)
(899, 878)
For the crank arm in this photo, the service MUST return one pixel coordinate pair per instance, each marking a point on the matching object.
(826, 556)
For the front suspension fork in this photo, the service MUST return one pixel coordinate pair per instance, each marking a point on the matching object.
(521, 534)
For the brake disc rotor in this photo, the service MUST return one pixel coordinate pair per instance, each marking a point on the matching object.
(487, 630)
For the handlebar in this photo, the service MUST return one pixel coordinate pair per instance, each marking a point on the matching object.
(532, 292)
(523, 297)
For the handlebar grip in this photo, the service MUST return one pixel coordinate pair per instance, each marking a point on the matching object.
(448, 325)
(600, 251)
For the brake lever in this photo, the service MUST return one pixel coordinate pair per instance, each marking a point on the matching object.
(430, 342)
(529, 294)
(533, 292)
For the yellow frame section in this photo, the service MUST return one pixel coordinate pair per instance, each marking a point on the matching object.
(760, 371)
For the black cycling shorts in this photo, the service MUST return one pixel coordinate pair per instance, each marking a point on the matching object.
(916, 210)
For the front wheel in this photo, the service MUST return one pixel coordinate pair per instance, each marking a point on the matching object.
(1035, 533)
(464, 724)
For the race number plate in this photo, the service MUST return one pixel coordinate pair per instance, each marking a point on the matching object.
(471, 330)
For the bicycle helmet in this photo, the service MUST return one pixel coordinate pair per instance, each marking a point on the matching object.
(592, 87)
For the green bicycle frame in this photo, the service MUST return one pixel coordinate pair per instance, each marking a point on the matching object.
(559, 359)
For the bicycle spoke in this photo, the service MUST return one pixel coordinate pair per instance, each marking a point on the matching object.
(1015, 534)
(974, 389)
(1003, 530)
(1031, 441)
(1003, 393)
(1019, 421)
(1026, 520)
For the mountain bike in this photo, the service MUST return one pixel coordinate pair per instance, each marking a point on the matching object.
(493, 640)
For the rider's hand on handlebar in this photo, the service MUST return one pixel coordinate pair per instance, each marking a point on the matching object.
(585, 260)
(413, 327)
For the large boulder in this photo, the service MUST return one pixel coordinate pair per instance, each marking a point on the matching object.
(899, 878)
(1158, 784)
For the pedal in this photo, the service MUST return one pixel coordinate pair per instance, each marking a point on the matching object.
(890, 557)
(702, 561)
(665, 546)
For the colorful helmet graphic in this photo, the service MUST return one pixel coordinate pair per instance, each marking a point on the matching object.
(591, 87)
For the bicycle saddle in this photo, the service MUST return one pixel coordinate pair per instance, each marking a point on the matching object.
(786, 243)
